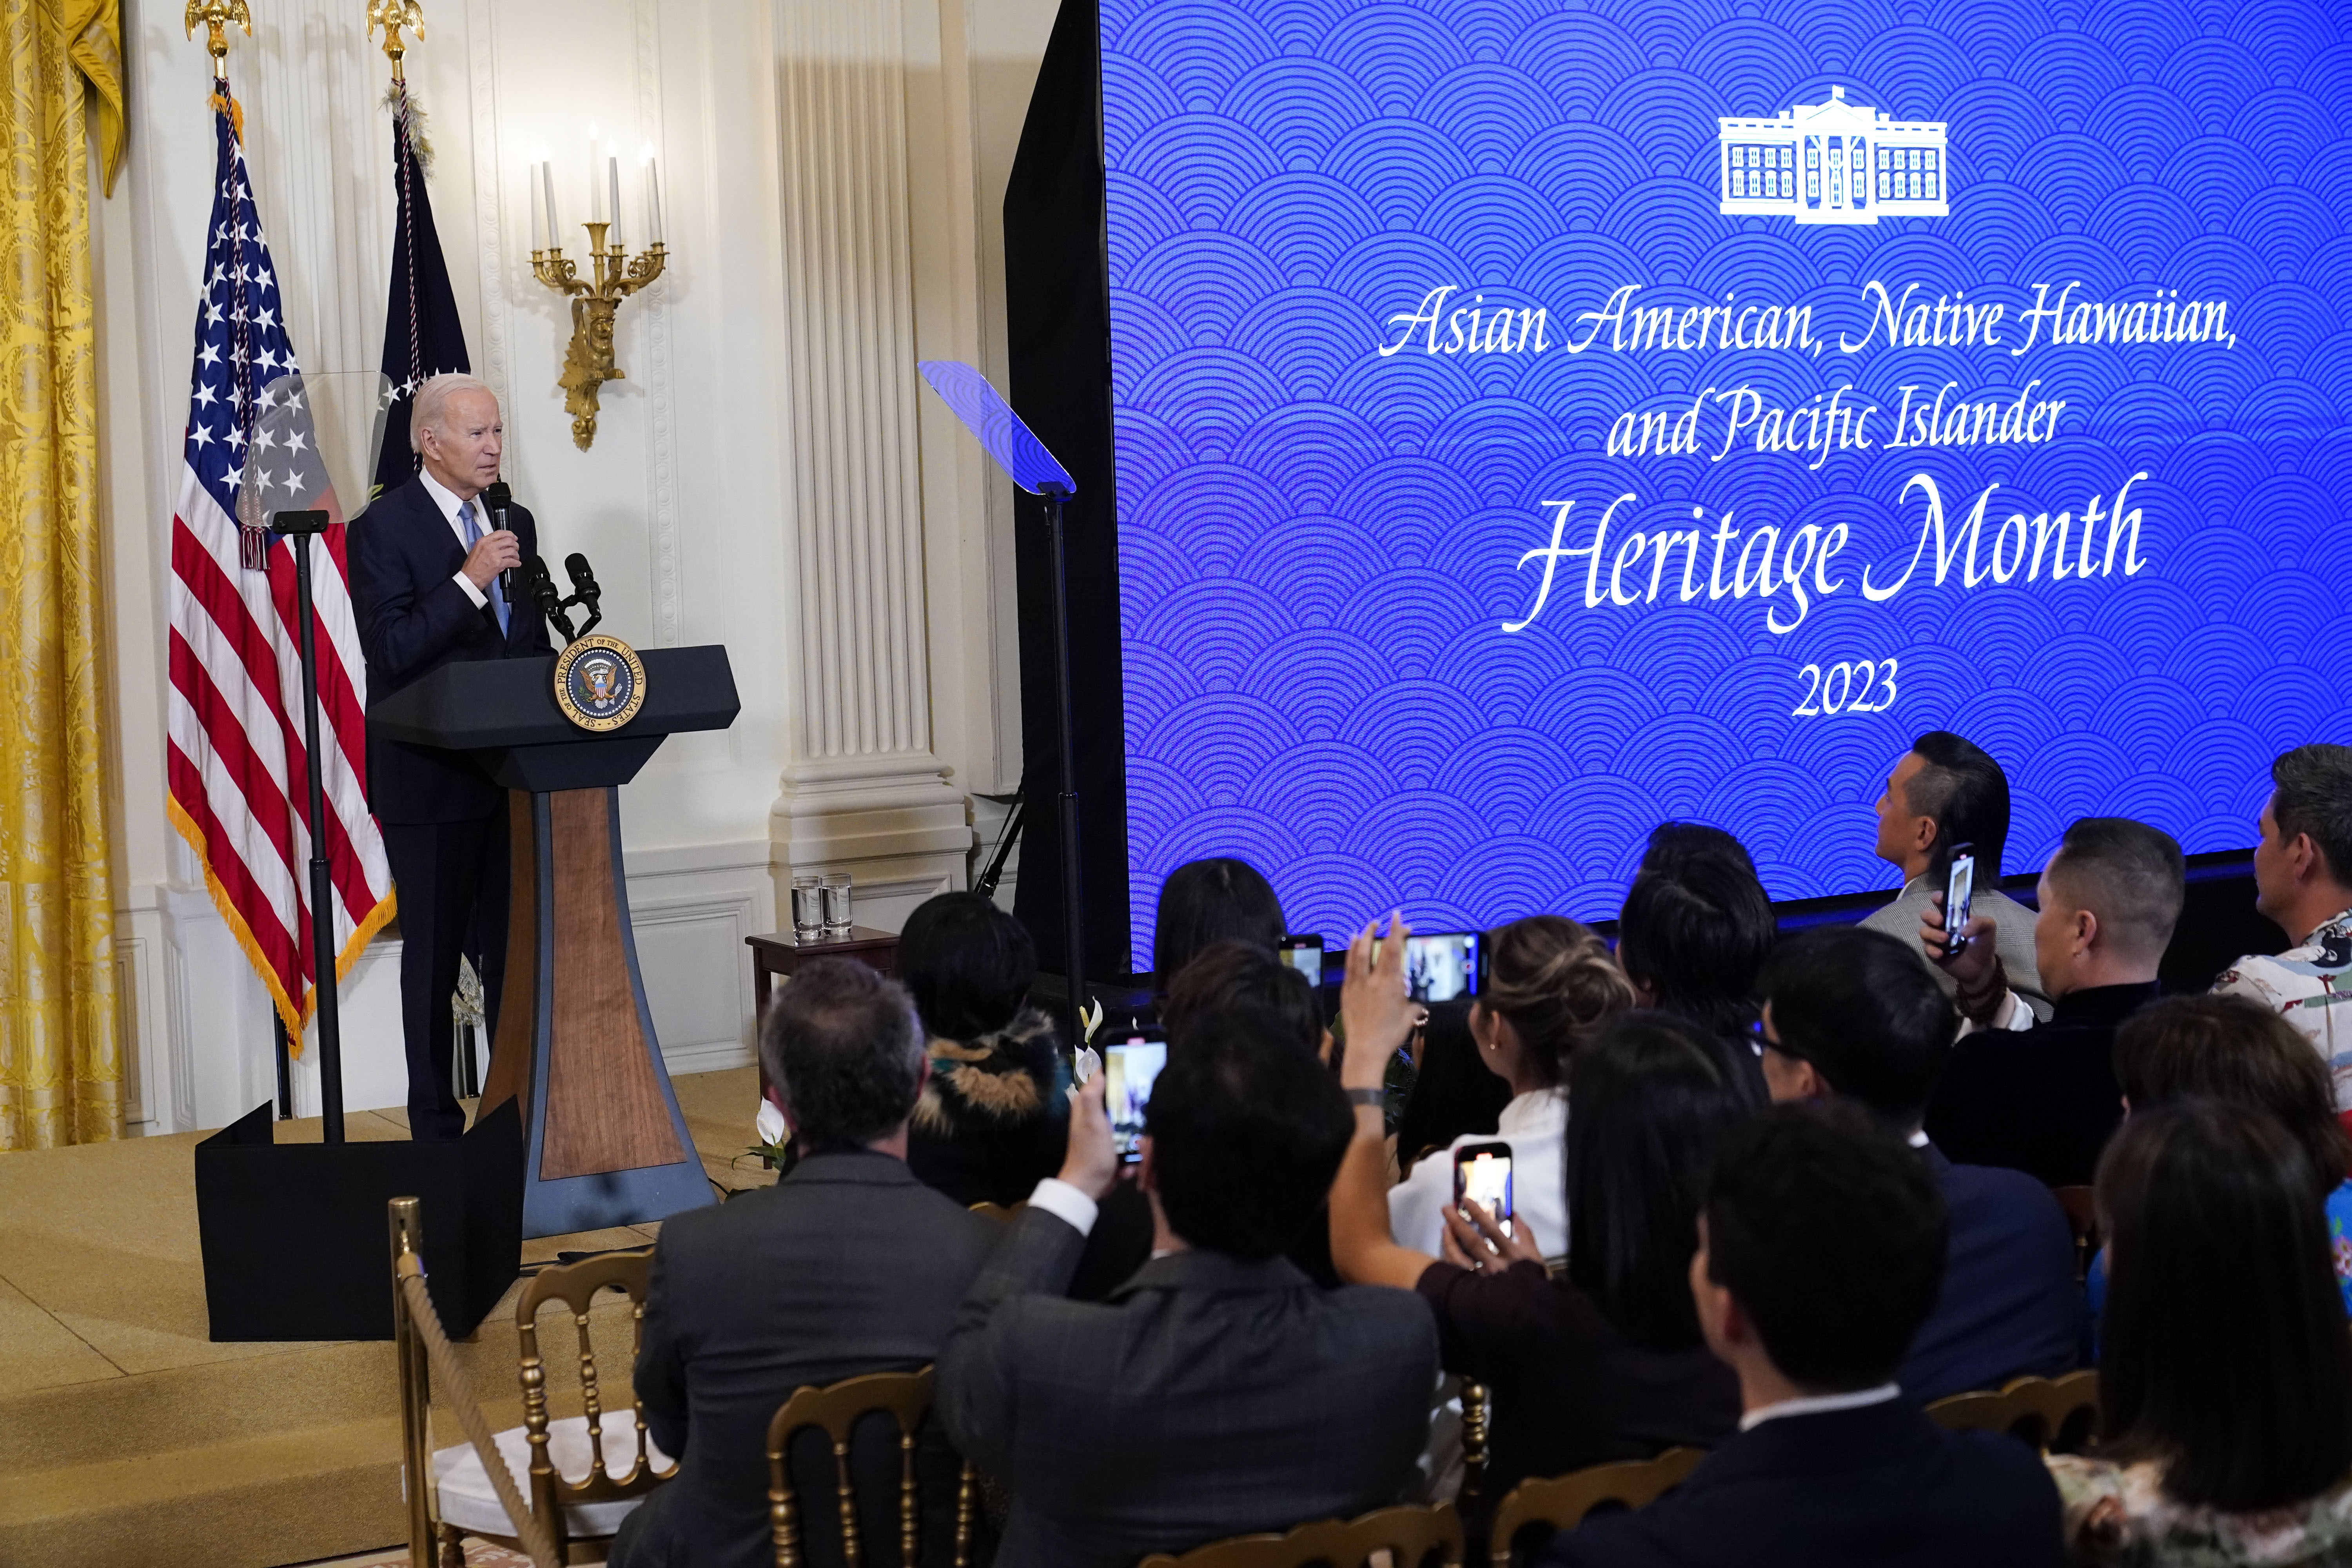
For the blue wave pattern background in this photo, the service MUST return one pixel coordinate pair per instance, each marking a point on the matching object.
(1318, 543)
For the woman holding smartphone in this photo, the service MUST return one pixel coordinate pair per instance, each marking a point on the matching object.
(1605, 1363)
(1549, 981)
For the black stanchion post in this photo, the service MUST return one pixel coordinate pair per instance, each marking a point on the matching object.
(1072, 912)
(285, 1068)
(300, 528)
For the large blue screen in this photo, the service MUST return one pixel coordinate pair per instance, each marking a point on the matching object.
(1537, 419)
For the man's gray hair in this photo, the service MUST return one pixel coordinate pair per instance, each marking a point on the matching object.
(432, 403)
(842, 1043)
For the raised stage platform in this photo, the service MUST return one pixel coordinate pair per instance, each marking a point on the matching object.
(128, 1436)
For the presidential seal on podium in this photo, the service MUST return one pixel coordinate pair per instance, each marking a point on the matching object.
(600, 682)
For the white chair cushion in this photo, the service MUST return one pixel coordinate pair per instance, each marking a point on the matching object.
(469, 1502)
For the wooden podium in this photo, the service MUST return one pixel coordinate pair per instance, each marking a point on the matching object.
(606, 1144)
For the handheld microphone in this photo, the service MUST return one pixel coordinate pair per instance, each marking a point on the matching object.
(498, 498)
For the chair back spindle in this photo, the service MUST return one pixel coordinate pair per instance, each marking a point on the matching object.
(837, 1410)
(1563, 1502)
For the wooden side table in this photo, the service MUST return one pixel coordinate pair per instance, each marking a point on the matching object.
(777, 953)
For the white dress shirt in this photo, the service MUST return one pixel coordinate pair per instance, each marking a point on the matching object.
(1066, 1203)
(1533, 1124)
(1819, 1404)
(449, 501)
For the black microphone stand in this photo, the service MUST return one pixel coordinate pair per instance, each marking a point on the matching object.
(1072, 915)
(298, 527)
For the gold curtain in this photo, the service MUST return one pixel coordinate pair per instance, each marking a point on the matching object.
(60, 1057)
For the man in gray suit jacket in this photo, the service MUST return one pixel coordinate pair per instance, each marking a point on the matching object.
(1219, 1391)
(849, 1265)
(1946, 791)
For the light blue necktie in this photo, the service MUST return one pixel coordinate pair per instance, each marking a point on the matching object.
(496, 594)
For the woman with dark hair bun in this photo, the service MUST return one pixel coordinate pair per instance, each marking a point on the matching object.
(993, 1120)
(1204, 903)
(2225, 1372)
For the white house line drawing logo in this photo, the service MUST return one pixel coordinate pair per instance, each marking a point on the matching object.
(1833, 163)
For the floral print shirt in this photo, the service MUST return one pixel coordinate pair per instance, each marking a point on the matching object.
(2118, 1515)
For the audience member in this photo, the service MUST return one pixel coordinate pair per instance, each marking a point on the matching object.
(2240, 1053)
(991, 1119)
(1206, 902)
(1946, 792)
(1819, 1249)
(1696, 927)
(1674, 844)
(1218, 1391)
(2303, 881)
(2225, 1375)
(849, 1265)
(1451, 1092)
(1607, 1363)
(1226, 974)
(2040, 1097)
(1856, 1016)
(1549, 981)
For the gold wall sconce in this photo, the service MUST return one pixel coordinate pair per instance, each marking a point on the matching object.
(614, 276)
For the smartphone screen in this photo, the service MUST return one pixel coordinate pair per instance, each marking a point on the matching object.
(1959, 891)
(1482, 1173)
(1129, 1066)
(1304, 954)
(1442, 968)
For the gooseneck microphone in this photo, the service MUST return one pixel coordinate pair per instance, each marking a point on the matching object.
(584, 591)
(498, 498)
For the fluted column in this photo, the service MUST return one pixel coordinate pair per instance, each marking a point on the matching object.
(863, 790)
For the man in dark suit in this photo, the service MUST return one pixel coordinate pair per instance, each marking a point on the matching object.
(2041, 1098)
(1219, 1391)
(1856, 1016)
(425, 564)
(1819, 1254)
(848, 1265)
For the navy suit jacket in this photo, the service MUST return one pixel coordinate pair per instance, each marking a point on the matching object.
(2011, 1304)
(1882, 1486)
(413, 619)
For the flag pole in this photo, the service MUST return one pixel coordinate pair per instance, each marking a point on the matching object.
(299, 528)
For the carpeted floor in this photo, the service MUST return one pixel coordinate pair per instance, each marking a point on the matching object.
(478, 1554)
(127, 1435)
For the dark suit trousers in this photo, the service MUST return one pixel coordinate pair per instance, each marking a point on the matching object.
(451, 880)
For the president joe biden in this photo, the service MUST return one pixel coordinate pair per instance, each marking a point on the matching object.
(425, 564)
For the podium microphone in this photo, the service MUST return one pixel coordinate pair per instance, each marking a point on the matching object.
(498, 498)
(584, 591)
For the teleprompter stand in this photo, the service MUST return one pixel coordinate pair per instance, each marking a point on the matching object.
(1027, 463)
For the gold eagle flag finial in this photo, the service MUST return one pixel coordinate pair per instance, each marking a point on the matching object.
(217, 15)
(392, 16)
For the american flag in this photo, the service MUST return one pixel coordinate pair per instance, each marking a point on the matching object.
(236, 764)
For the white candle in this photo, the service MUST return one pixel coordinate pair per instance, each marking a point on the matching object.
(596, 186)
(613, 187)
(658, 231)
(547, 187)
(538, 210)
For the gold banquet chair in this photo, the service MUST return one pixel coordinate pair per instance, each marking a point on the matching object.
(583, 1474)
(1563, 1502)
(836, 1409)
(1409, 1536)
(2060, 1413)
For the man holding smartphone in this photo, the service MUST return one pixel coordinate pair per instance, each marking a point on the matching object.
(1219, 1392)
(1942, 792)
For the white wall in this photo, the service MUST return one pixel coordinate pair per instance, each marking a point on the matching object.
(771, 475)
